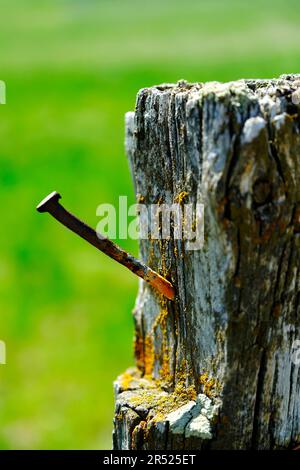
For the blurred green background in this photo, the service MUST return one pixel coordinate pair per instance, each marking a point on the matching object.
(72, 69)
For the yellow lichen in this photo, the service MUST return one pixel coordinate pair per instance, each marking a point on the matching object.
(161, 322)
(149, 357)
(126, 380)
(119, 417)
(203, 378)
(180, 197)
(165, 368)
(140, 198)
(163, 404)
(210, 385)
(152, 395)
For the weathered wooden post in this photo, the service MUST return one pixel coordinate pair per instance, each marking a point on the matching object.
(216, 367)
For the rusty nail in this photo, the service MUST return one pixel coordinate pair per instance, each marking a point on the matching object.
(50, 204)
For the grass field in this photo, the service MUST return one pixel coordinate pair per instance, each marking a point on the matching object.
(72, 69)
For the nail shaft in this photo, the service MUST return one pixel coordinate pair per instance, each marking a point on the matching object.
(50, 204)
